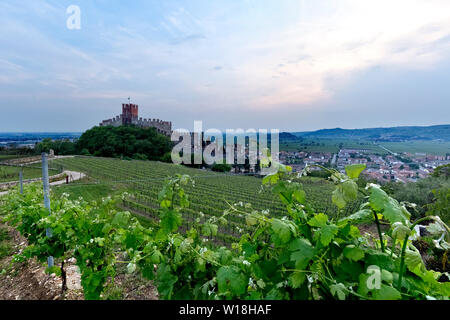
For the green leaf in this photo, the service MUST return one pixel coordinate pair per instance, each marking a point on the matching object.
(327, 234)
(353, 171)
(229, 278)
(302, 253)
(271, 178)
(413, 260)
(301, 244)
(121, 219)
(300, 196)
(209, 229)
(338, 290)
(353, 253)
(394, 212)
(400, 231)
(377, 258)
(166, 281)
(296, 279)
(250, 219)
(170, 220)
(281, 231)
(389, 207)
(387, 276)
(156, 257)
(378, 198)
(55, 269)
(386, 293)
(337, 197)
(319, 220)
(350, 190)
(361, 216)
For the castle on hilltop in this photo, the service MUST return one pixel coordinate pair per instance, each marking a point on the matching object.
(130, 116)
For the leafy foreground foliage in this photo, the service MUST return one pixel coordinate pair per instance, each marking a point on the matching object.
(304, 255)
(428, 194)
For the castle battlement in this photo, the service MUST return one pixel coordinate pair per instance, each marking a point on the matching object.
(130, 116)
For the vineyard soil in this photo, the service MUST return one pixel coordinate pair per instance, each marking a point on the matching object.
(29, 281)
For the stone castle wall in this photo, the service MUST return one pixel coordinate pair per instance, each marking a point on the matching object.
(130, 116)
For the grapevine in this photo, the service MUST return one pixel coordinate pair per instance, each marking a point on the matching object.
(298, 254)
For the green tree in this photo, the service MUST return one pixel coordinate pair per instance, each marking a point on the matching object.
(442, 171)
(125, 141)
(221, 167)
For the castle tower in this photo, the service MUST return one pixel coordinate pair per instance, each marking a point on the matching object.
(130, 116)
(130, 113)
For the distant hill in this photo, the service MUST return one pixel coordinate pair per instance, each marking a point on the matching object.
(287, 136)
(439, 132)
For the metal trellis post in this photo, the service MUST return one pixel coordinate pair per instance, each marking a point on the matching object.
(21, 180)
(46, 184)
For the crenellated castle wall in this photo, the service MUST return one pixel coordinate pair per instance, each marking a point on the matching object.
(130, 116)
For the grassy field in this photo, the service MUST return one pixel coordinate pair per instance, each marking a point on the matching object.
(8, 173)
(4, 157)
(329, 145)
(210, 195)
(429, 147)
(87, 192)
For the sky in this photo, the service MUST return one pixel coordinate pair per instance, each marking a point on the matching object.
(265, 64)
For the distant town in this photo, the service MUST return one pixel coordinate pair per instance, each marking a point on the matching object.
(415, 153)
(396, 167)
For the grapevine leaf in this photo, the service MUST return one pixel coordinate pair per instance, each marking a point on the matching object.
(413, 260)
(362, 216)
(353, 253)
(319, 220)
(338, 290)
(377, 198)
(296, 279)
(271, 178)
(166, 281)
(251, 220)
(400, 231)
(300, 196)
(281, 232)
(170, 220)
(386, 293)
(387, 276)
(156, 257)
(121, 219)
(209, 229)
(338, 197)
(353, 171)
(327, 234)
(229, 278)
(302, 253)
(390, 208)
(376, 258)
(350, 190)
(394, 212)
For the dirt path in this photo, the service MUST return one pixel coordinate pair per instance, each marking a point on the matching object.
(73, 176)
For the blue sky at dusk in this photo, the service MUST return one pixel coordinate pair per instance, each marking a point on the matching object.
(293, 65)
